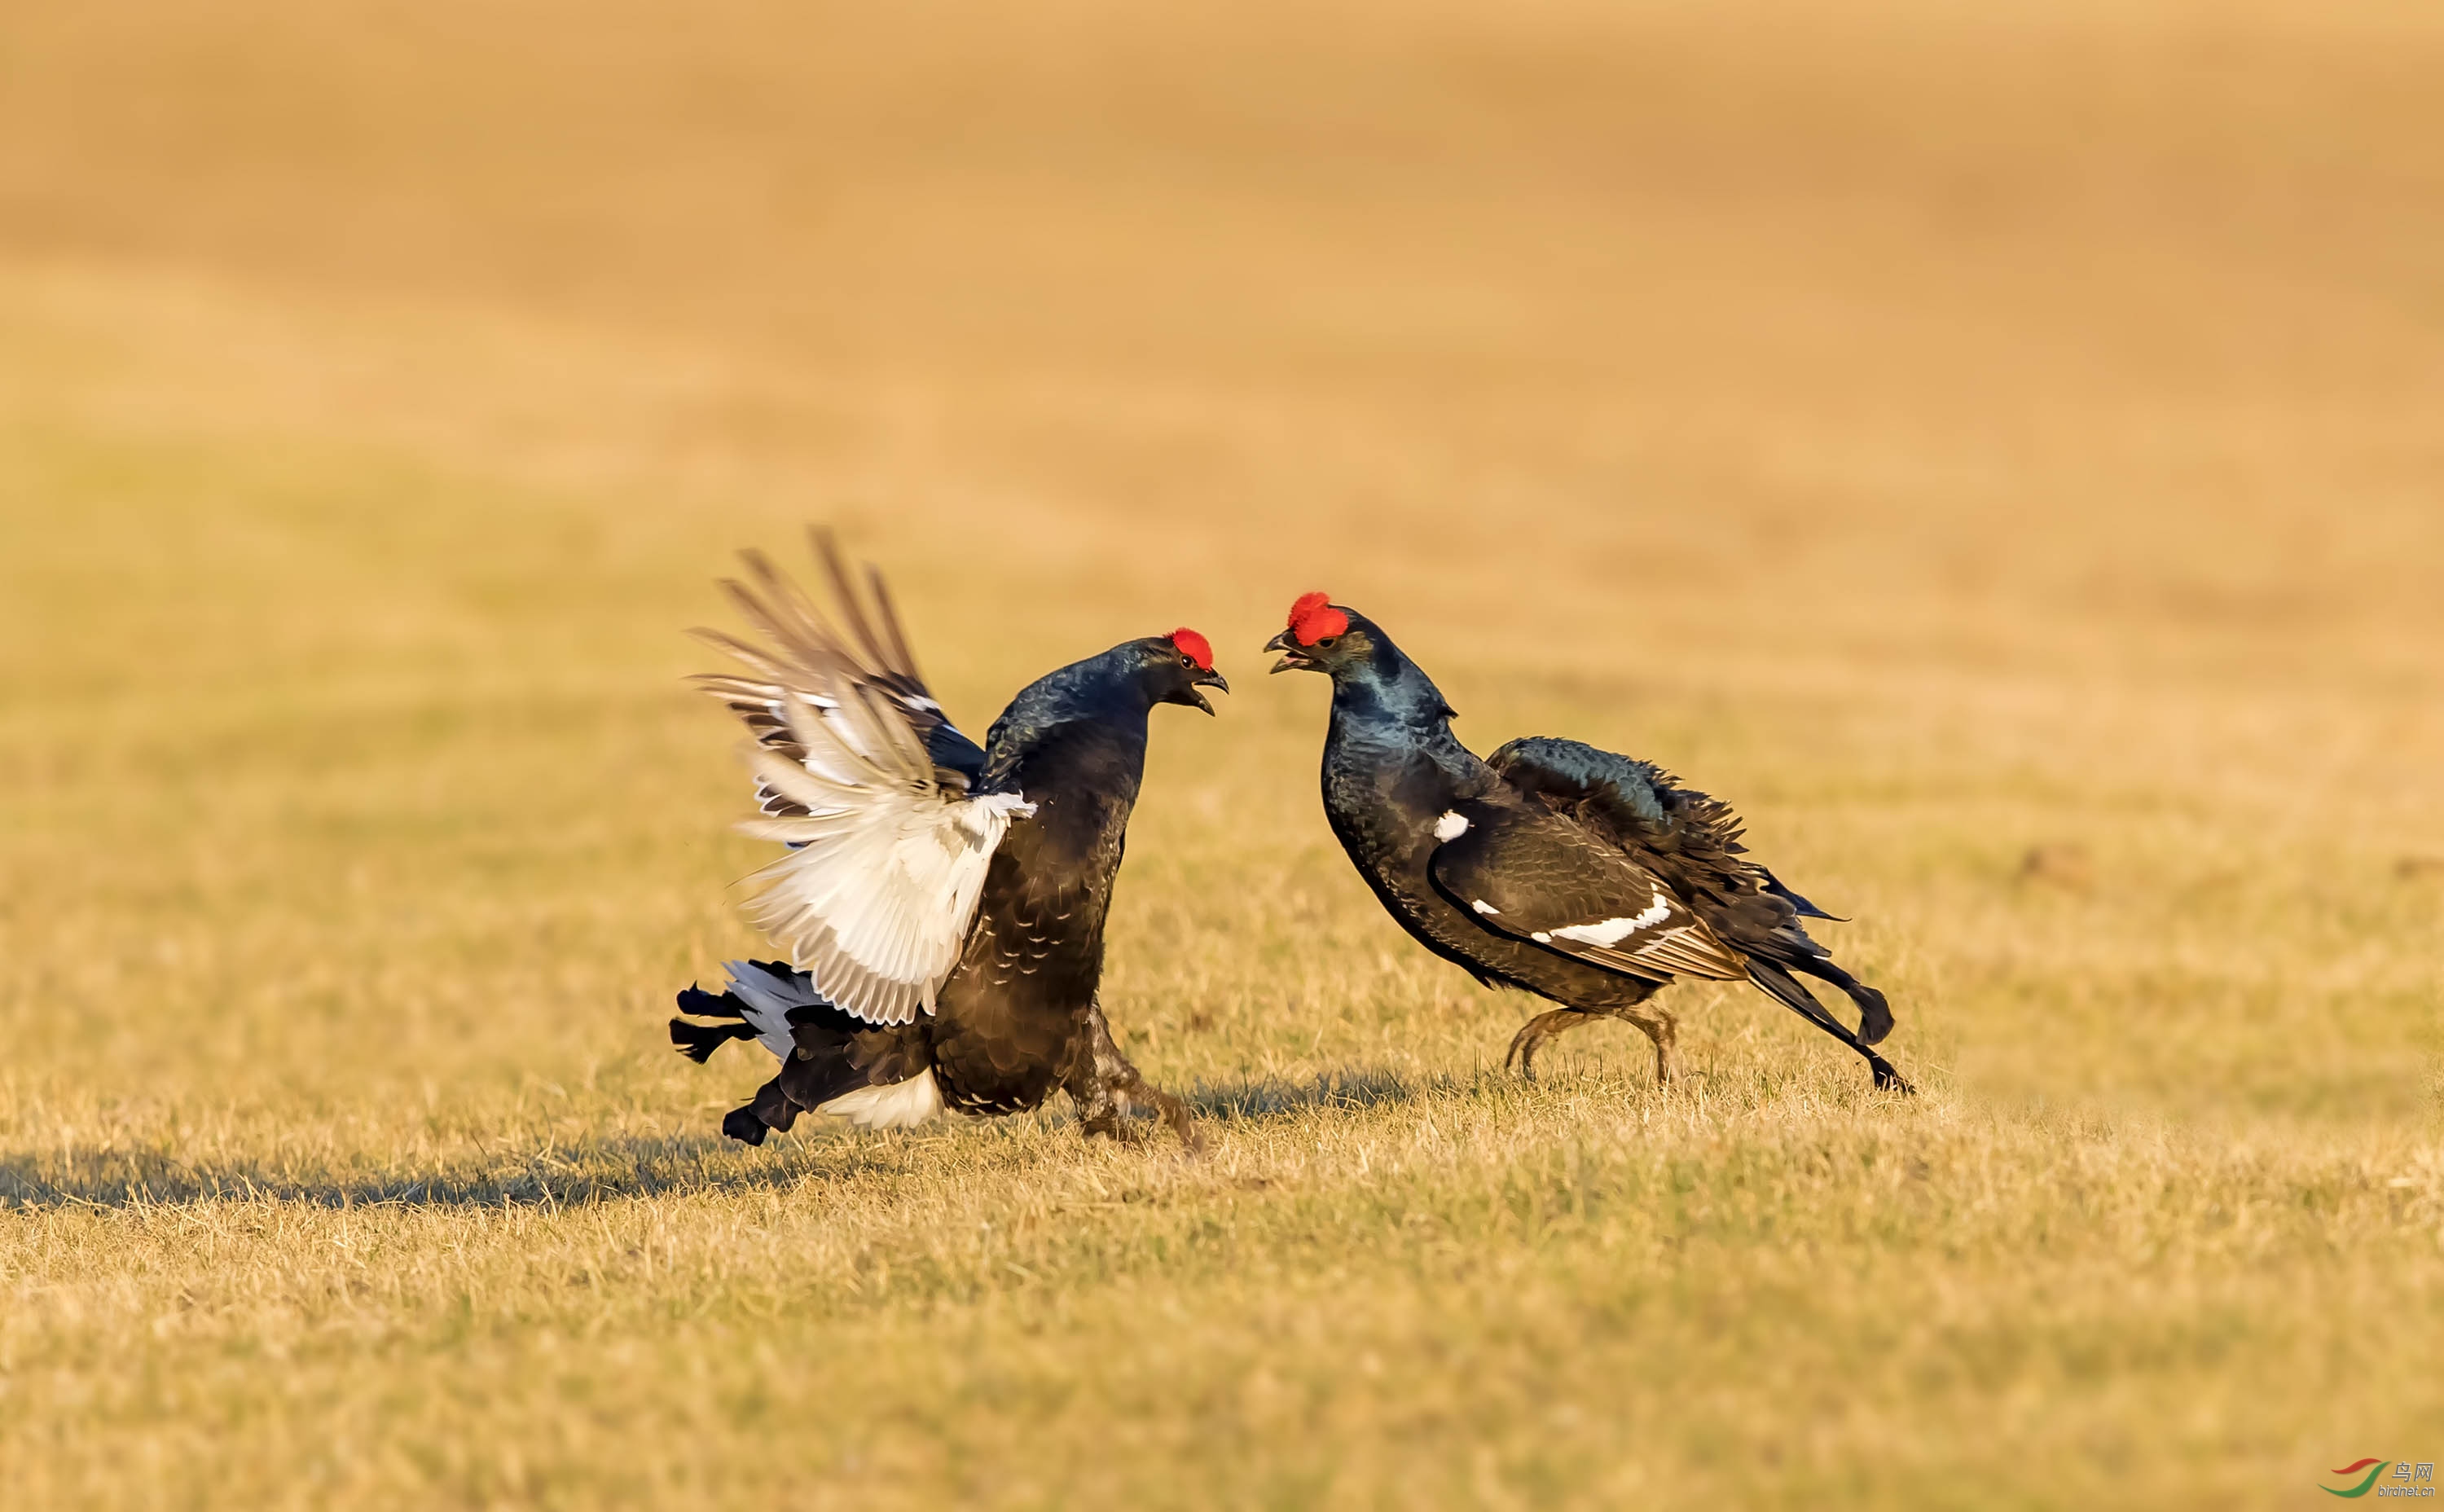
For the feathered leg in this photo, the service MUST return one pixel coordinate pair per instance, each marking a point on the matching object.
(771, 1109)
(1778, 982)
(1664, 1031)
(1105, 1086)
(1533, 1034)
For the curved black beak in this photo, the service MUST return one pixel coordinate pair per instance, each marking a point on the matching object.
(1206, 679)
(1294, 660)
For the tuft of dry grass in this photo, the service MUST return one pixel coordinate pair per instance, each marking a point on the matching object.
(1997, 454)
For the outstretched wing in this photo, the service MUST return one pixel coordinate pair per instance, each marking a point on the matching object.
(1538, 877)
(857, 771)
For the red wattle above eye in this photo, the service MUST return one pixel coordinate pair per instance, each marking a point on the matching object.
(1313, 618)
(1194, 647)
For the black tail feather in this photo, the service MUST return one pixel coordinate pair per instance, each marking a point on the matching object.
(1805, 908)
(1780, 985)
(697, 1042)
(1874, 1014)
(1785, 990)
(706, 1005)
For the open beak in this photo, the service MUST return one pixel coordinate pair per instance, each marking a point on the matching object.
(1209, 679)
(1292, 657)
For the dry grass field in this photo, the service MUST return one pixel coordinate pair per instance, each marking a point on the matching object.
(2000, 447)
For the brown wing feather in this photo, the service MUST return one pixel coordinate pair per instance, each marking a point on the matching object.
(802, 648)
(805, 637)
(1535, 876)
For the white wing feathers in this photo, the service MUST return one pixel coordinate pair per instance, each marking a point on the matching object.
(876, 901)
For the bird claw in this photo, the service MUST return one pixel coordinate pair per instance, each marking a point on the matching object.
(1117, 1128)
(1175, 1114)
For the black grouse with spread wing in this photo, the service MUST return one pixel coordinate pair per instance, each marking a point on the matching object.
(1585, 877)
(941, 904)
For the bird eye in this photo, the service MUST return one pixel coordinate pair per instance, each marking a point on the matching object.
(1327, 643)
(1186, 660)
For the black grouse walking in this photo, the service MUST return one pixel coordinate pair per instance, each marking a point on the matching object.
(943, 905)
(1583, 876)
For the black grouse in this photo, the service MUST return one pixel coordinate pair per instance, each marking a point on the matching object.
(1583, 876)
(941, 905)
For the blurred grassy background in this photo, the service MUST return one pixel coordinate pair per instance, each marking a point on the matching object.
(1997, 450)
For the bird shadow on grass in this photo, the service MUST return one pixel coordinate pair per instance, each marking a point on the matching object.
(561, 1173)
(574, 1172)
(1258, 1098)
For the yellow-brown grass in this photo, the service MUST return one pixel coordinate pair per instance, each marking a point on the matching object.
(1997, 450)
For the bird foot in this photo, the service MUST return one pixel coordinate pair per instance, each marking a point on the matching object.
(1524, 1046)
(1105, 1087)
(1533, 1034)
(1175, 1113)
(1110, 1123)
